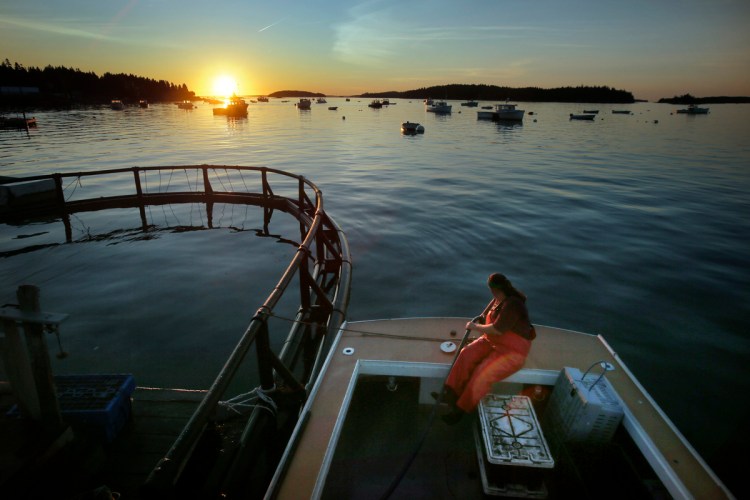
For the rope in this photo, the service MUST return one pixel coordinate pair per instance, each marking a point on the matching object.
(249, 400)
(363, 332)
(77, 182)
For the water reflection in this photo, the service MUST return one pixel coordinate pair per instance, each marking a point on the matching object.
(503, 125)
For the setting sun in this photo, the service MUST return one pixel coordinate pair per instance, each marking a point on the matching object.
(225, 86)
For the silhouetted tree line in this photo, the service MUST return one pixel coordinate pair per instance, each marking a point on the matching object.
(529, 94)
(61, 86)
(295, 93)
(689, 99)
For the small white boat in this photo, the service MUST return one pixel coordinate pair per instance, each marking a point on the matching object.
(304, 103)
(117, 105)
(507, 111)
(501, 112)
(438, 107)
(692, 109)
(412, 128)
(582, 117)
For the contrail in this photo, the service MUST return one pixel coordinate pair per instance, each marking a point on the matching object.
(270, 25)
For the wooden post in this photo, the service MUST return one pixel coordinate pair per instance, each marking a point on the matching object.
(18, 368)
(51, 417)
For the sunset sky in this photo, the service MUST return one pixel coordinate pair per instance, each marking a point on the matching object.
(653, 48)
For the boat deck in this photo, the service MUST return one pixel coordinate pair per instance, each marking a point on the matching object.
(411, 348)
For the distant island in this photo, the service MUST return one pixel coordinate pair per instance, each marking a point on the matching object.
(465, 92)
(62, 87)
(527, 94)
(295, 93)
(688, 99)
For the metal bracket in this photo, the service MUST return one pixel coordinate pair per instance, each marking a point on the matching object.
(15, 314)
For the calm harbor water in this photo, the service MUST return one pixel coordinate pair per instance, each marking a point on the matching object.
(634, 226)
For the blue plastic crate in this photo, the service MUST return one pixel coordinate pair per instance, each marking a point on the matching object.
(98, 404)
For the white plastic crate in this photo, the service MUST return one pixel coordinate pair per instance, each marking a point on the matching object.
(583, 407)
(514, 459)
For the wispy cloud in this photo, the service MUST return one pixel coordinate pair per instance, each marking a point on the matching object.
(58, 28)
(71, 28)
(375, 37)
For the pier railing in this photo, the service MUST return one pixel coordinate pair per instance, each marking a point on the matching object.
(321, 267)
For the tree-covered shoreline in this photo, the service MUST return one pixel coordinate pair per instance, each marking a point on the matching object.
(527, 94)
(58, 86)
(689, 99)
(61, 87)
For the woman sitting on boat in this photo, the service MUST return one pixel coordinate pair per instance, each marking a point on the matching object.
(506, 338)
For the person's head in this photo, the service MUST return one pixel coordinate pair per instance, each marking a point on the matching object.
(499, 283)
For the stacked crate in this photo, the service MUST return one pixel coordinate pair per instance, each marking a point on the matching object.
(514, 459)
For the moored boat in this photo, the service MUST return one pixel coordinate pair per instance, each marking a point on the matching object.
(440, 107)
(185, 105)
(236, 107)
(507, 111)
(470, 104)
(411, 128)
(262, 98)
(692, 109)
(303, 103)
(117, 105)
(591, 111)
(143, 103)
(582, 117)
(620, 112)
(501, 112)
(376, 103)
